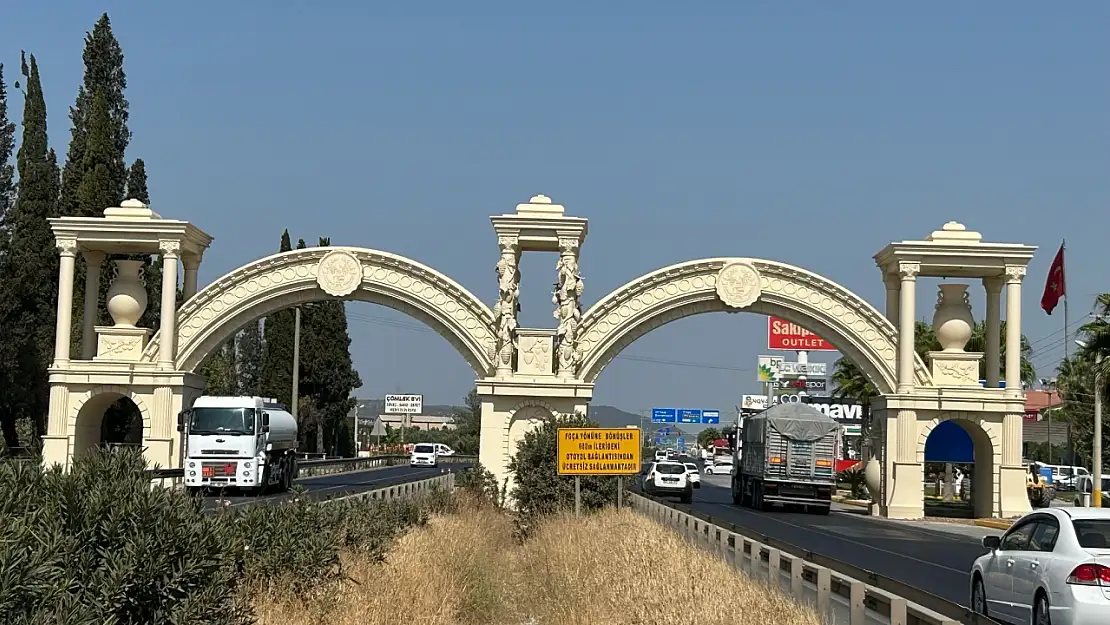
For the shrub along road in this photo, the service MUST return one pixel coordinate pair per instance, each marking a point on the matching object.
(935, 561)
(336, 484)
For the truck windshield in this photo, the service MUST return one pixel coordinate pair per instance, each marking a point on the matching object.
(230, 421)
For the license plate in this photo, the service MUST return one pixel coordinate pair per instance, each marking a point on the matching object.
(213, 470)
(670, 480)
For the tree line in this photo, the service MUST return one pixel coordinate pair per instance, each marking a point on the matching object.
(96, 175)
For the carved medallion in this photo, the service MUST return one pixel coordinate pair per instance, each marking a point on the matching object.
(738, 285)
(339, 273)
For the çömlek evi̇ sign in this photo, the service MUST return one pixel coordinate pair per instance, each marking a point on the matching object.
(599, 451)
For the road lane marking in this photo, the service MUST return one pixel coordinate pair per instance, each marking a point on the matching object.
(817, 530)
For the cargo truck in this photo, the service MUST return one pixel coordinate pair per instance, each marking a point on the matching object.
(789, 457)
(248, 443)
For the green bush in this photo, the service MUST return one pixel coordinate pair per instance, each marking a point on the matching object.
(99, 545)
(481, 485)
(539, 489)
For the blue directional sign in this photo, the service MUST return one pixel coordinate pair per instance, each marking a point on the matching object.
(663, 415)
(689, 415)
(681, 441)
(710, 417)
(664, 431)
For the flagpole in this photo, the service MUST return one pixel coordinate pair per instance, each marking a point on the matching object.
(1067, 348)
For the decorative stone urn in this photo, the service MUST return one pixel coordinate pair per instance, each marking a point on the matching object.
(872, 477)
(952, 320)
(127, 294)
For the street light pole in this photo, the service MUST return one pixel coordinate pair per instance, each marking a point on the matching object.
(1096, 444)
(296, 362)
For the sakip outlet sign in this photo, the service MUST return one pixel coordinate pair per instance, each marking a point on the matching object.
(783, 335)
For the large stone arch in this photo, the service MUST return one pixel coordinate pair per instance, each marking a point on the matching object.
(839, 316)
(287, 279)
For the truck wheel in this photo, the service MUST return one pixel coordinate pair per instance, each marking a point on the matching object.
(290, 467)
(821, 510)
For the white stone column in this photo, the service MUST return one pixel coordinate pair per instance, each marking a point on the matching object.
(191, 264)
(93, 262)
(1014, 276)
(168, 330)
(906, 306)
(64, 324)
(892, 294)
(993, 287)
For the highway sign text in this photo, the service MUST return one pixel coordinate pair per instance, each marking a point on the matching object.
(784, 335)
(664, 415)
(599, 451)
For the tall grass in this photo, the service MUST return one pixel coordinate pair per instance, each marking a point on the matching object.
(611, 567)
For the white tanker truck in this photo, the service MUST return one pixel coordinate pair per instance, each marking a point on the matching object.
(249, 443)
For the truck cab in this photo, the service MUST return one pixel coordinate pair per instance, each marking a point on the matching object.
(248, 443)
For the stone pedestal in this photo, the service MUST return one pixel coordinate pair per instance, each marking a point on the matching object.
(955, 368)
(535, 353)
(121, 342)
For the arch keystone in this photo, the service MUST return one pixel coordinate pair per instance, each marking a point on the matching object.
(339, 273)
(738, 285)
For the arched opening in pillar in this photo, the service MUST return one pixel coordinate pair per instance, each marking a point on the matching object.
(959, 470)
(523, 421)
(122, 425)
(105, 421)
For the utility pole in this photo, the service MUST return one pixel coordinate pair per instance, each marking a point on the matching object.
(296, 362)
(1096, 444)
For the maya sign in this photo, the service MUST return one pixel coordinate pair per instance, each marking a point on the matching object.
(404, 404)
(788, 336)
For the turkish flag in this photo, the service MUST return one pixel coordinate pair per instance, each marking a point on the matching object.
(1054, 286)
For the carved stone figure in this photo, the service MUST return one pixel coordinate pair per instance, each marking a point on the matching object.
(565, 295)
(508, 304)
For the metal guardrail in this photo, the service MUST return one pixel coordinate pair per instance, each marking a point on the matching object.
(844, 593)
(309, 468)
(403, 490)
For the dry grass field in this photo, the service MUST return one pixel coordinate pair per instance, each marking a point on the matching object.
(467, 569)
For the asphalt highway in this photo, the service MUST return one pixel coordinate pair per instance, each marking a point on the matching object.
(935, 561)
(323, 487)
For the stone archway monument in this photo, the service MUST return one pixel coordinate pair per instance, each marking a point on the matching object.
(525, 375)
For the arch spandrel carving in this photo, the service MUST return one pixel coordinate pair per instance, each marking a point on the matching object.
(290, 278)
(838, 315)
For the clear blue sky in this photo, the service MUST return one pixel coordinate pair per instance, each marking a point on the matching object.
(805, 132)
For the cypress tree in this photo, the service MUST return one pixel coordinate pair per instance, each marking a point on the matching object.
(30, 266)
(251, 355)
(218, 370)
(104, 74)
(8, 351)
(277, 365)
(330, 376)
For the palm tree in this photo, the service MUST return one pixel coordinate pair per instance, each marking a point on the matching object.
(978, 343)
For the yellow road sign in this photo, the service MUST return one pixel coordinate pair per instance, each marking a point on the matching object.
(599, 451)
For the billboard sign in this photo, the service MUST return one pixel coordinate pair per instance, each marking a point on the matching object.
(753, 402)
(404, 404)
(787, 336)
(599, 451)
(769, 368)
(664, 415)
(817, 385)
(840, 410)
(818, 369)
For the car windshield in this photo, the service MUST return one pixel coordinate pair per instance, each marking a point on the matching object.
(228, 421)
(690, 466)
(1092, 533)
(423, 449)
(670, 469)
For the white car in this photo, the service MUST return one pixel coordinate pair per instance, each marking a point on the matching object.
(424, 455)
(693, 473)
(444, 450)
(1051, 567)
(722, 465)
(660, 455)
(668, 479)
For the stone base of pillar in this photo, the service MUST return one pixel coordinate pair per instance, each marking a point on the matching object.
(55, 451)
(955, 368)
(1013, 496)
(160, 452)
(906, 501)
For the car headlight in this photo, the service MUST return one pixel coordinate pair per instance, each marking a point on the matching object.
(247, 464)
(192, 473)
(192, 465)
